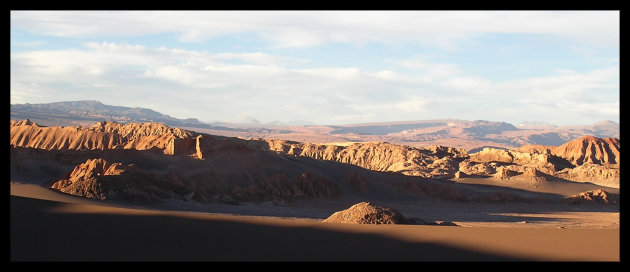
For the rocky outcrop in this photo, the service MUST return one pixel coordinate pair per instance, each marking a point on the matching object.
(589, 149)
(94, 168)
(492, 155)
(504, 172)
(431, 162)
(25, 122)
(199, 148)
(27, 134)
(262, 170)
(535, 148)
(607, 175)
(533, 174)
(598, 196)
(104, 136)
(133, 131)
(446, 151)
(537, 158)
(476, 169)
(99, 179)
(366, 213)
(588, 159)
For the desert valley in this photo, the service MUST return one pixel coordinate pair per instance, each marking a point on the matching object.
(315, 136)
(97, 182)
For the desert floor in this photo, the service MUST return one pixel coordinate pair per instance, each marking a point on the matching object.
(49, 226)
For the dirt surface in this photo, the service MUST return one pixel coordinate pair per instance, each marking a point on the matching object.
(46, 225)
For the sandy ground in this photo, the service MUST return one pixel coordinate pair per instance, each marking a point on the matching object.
(48, 226)
(560, 188)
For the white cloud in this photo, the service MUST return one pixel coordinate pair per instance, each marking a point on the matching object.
(215, 87)
(255, 58)
(309, 28)
(429, 71)
(390, 75)
(333, 72)
(567, 97)
(114, 47)
(567, 85)
(468, 83)
(108, 70)
(413, 104)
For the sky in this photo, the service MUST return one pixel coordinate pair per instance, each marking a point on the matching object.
(325, 67)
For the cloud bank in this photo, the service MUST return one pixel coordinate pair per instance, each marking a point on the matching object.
(281, 76)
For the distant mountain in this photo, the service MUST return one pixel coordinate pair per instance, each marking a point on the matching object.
(89, 111)
(469, 135)
(606, 128)
(476, 128)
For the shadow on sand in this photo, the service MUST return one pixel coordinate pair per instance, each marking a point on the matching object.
(39, 235)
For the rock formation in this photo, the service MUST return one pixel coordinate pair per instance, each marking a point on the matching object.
(202, 166)
(25, 122)
(586, 149)
(540, 159)
(504, 172)
(596, 159)
(132, 131)
(587, 159)
(384, 157)
(27, 134)
(100, 179)
(469, 168)
(366, 213)
(597, 196)
(589, 149)
(103, 136)
(606, 175)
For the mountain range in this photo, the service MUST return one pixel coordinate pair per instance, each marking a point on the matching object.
(469, 135)
(147, 162)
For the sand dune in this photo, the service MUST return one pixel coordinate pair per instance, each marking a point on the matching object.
(64, 229)
(194, 237)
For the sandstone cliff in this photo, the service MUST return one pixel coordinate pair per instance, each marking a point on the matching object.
(606, 175)
(586, 149)
(28, 134)
(187, 164)
(384, 157)
(543, 160)
(104, 136)
(587, 159)
(538, 162)
(589, 149)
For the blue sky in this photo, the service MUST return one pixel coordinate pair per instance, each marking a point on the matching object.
(325, 67)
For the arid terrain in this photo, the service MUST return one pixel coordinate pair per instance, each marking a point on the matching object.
(147, 191)
(469, 135)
